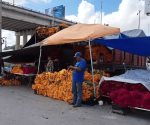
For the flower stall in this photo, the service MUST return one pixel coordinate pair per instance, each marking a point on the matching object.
(58, 85)
(130, 90)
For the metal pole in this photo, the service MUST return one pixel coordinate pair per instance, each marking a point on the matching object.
(139, 19)
(139, 24)
(39, 64)
(13, 2)
(0, 25)
(92, 67)
(53, 21)
(148, 29)
(35, 37)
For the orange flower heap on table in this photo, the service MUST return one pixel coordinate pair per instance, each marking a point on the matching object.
(58, 85)
(17, 69)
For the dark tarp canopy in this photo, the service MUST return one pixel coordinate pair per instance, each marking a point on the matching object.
(35, 39)
(20, 59)
(23, 55)
(31, 54)
(26, 51)
(31, 41)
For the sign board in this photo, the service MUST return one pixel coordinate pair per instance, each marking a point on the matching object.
(147, 7)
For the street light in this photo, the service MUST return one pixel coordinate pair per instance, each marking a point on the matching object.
(13, 2)
(139, 14)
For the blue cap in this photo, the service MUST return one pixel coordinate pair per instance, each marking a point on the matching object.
(77, 54)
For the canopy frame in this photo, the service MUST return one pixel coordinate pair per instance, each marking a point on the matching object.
(39, 64)
(91, 58)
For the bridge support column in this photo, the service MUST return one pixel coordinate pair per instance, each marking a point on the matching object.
(31, 32)
(17, 41)
(25, 38)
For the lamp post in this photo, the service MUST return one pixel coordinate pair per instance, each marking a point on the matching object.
(0, 25)
(148, 29)
(139, 14)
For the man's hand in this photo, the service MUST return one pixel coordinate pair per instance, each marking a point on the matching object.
(71, 67)
(74, 68)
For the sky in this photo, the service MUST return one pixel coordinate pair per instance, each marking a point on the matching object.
(72, 5)
(117, 13)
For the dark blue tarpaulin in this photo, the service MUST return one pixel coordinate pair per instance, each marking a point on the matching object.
(137, 45)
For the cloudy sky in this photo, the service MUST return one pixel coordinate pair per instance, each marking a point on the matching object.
(118, 13)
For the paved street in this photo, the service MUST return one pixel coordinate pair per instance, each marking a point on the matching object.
(19, 106)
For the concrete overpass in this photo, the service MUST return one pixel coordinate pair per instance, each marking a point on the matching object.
(24, 21)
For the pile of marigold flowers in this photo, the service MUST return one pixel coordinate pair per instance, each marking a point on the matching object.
(9, 82)
(58, 85)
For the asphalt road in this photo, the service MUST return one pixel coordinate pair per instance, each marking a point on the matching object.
(19, 106)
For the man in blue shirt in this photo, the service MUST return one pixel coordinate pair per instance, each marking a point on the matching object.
(77, 79)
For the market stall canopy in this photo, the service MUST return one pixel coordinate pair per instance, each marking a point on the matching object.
(80, 32)
(137, 45)
(127, 34)
(124, 34)
(134, 33)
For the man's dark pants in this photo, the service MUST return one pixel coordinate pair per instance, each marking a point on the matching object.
(77, 93)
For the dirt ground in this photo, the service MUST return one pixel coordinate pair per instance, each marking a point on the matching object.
(19, 106)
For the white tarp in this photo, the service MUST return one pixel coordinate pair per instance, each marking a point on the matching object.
(133, 77)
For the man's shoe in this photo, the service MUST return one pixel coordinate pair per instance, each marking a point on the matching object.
(76, 106)
(71, 103)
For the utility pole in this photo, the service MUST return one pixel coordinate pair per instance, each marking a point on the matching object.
(13, 2)
(148, 29)
(0, 25)
(139, 14)
(101, 12)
